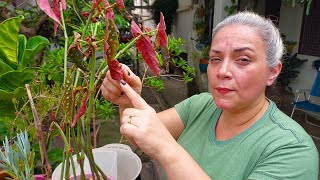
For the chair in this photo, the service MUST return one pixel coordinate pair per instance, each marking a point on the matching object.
(309, 105)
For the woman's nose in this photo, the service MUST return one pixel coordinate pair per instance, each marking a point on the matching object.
(224, 70)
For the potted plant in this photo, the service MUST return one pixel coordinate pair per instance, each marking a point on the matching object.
(17, 159)
(74, 114)
(204, 60)
(290, 65)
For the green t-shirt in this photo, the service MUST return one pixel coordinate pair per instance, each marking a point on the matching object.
(275, 147)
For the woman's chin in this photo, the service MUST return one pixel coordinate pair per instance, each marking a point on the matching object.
(224, 105)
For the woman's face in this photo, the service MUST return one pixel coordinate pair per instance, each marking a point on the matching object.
(238, 72)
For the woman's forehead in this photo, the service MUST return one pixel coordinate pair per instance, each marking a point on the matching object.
(237, 35)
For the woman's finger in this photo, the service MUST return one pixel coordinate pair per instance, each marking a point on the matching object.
(110, 80)
(133, 120)
(133, 112)
(113, 89)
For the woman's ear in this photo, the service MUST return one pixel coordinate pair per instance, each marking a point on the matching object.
(274, 72)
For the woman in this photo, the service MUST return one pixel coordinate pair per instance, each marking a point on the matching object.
(233, 133)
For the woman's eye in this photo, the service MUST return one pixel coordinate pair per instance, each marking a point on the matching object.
(243, 61)
(215, 59)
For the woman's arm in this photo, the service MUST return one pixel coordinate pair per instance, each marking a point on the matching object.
(171, 119)
(151, 132)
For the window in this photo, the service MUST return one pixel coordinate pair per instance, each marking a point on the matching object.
(310, 37)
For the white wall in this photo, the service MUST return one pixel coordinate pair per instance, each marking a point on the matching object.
(290, 25)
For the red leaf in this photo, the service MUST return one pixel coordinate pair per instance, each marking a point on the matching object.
(146, 49)
(161, 37)
(120, 5)
(135, 30)
(115, 69)
(109, 11)
(45, 6)
(82, 110)
(64, 4)
(95, 4)
(56, 10)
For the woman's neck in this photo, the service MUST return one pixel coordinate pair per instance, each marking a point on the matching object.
(232, 123)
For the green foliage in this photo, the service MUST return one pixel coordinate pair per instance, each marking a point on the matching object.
(9, 42)
(51, 70)
(18, 159)
(155, 83)
(175, 46)
(104, 109)
(232, 8)
(168, 8)
(290, 65)
(206, 51)
(16, 54)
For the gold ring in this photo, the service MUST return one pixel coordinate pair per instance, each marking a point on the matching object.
(129, 121)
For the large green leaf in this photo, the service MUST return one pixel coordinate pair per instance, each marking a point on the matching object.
(12, 80)
(8, 95)
(9, 30)
(6, 108)
(21, 49)
(34, 46)
(4, 67)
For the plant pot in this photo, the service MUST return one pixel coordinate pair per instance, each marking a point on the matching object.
(5, 176)
(39, 177)
(88, 176)
(117, 161)
(203, 65)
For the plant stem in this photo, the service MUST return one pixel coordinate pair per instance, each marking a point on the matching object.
(80, 159)
(37, 122)
(65, 45)
(86, 26)
(66, 153)
(89, 111)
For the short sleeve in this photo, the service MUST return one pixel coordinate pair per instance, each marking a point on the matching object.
(296, 161)
(191, 107)
(183, 108)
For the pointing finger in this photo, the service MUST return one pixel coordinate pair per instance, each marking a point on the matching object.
(136, 100)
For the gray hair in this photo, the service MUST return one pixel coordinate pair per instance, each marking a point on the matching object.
(265, 28)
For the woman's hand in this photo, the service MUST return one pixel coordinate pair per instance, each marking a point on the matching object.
(111, 89)
(142, 127)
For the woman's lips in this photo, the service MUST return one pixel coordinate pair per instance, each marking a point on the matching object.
(223, 90)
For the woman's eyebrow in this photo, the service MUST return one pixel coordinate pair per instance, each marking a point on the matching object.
(215, 51)
(236, 50)
(243, 49)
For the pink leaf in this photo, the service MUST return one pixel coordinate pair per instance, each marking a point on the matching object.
(161, 37)
(56, 10)
(135, 30)
(146, 49)
(64, 4)
(109, 11)
(95, 4)
(45, 6)
(82, 110)
(120, 5)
